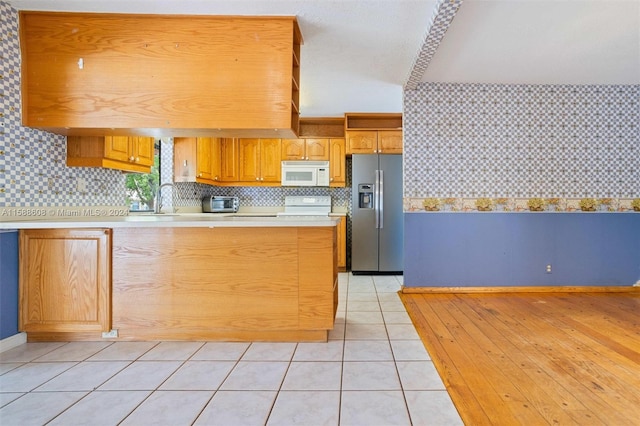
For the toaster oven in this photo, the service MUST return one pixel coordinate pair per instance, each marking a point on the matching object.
(220, 204)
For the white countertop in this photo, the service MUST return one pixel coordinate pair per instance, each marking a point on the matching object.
(179, 220)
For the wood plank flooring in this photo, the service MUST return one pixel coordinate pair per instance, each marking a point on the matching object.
(535, 358)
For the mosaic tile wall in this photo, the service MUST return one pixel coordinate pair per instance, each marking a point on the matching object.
(443, 14)
(521, 141)
(32, 162)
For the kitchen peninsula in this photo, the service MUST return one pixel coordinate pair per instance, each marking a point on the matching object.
(178, 277)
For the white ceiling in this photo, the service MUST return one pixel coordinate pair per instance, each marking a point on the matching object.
(357, 55)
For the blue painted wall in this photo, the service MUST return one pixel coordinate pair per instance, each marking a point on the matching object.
(509, 249)
(8, 284)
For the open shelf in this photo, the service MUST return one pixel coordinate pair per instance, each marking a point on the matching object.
(325, 127)
(373, 121)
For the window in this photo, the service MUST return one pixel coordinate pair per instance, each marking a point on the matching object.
(141, 188)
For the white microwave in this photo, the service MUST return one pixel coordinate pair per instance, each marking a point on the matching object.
(305, 173)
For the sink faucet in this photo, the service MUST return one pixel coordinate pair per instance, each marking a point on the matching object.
(158, 204)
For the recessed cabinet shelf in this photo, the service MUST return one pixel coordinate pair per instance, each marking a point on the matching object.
(322, 127)
(373, 121)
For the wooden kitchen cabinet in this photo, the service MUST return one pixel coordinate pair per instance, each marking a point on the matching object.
(373, 133)
(259, 160)
(316, 149)
(208, 160)
(142, 150)
(342, 243)
(95, 73)
(197, 160)
(337, 162)
(131, 154)
(65, 281)
(229, 170)
(374, 142)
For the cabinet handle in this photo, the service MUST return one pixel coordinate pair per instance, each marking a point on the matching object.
(302, 158)
(215, 178)
(137, 159)
(132, 158)
(199, 174)
(257, 178)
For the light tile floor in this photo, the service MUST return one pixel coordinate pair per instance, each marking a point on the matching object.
(373, 371)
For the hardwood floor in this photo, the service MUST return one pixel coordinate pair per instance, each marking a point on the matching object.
(535, 358)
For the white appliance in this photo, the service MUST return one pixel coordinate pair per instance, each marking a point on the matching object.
(305, 173)
(306, 206)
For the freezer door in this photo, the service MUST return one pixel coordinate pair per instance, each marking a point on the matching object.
(392, 230)
(364, 235)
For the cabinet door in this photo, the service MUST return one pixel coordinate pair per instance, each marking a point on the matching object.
(293, 149)
(142, 150)
(337, 162)
(184, 159)
(249, 167)
(270, 163)
(117, 148)
(317, 149)
(216, 162)
(203, 160)
(229, 160)
(65, 279)
(342, 243)
(390, 141)
(362, 141)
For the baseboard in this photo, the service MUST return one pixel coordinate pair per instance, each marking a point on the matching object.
(529, 289)
(13, 341)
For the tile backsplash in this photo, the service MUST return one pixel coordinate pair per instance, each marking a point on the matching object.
(522, 141)
(32, 162)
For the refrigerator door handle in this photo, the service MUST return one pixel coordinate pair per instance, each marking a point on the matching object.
(376, 199)
(381, 198)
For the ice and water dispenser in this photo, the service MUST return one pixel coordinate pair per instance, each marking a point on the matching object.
(365, 196)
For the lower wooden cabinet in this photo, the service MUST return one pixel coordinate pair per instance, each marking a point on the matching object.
(342, 244)
(65, 280)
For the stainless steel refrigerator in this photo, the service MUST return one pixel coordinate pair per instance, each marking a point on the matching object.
(376, 217)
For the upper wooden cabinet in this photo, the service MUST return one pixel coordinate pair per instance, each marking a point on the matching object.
(197, 160)
(337, 163)
(229, 153)
(65, 280)
(371, 133)
(172, 75)
(131, 154)
(305, 149)
(259, 160)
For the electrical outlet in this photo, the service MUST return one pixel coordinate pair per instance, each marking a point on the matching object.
(548, 268)
(81, 184)
(110, 334)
